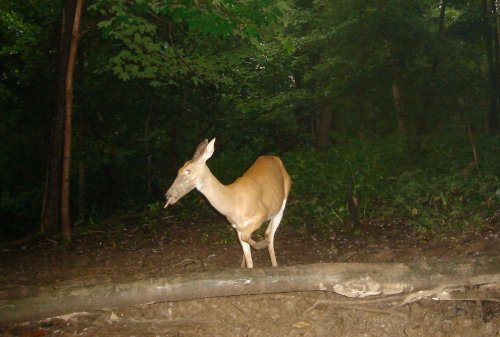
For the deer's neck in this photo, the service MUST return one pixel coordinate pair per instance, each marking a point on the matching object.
(219, 195)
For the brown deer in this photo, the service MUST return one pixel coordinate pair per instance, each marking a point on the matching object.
(257, 196)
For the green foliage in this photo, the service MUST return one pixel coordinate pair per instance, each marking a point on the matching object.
(433, 188)
(175, 41)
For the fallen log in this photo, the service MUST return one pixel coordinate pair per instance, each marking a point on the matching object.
(355, 280)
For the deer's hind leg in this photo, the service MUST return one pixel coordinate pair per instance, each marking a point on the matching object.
(271, 230)
(247, 253)
(246, 241)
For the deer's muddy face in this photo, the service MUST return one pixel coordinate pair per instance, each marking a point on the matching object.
(184, 183)
(189, 175)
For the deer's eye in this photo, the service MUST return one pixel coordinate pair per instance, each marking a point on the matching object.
(187, 172)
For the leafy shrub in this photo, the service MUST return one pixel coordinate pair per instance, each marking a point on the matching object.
(438, 186)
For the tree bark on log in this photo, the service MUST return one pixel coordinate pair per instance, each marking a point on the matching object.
(355, 280)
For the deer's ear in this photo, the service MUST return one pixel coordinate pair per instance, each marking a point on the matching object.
(200, 149)
(204, 151)
(210, 150)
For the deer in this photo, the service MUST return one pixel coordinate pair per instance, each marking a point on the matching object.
(259, 195)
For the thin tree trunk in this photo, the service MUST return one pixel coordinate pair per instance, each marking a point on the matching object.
(353, 204)
(66, 169)
(491, 120)
(475, 156)
(363, 104)
(442, 12)
(494, 34)
(422, 120)
(149, 177)
(325, 123)
(51, 202)
(396, 96)
(82, 199)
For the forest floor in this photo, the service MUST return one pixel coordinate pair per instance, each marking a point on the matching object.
(140, 249)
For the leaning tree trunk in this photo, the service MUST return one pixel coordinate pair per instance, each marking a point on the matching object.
(68, 130)
(51, 204)
(417, 280)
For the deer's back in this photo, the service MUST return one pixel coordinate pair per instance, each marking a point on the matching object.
(265, 183)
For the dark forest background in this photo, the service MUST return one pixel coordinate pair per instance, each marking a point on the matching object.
(380, 109)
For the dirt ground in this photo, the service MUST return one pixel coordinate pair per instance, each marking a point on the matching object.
(141, 249)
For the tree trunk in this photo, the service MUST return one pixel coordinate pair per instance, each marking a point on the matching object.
(68, 130)
(442, 11)
(492, 117)
(422, 120)
(325, 123)
(396, 96)
(493, 121)
(364, 107)
(355, 280)
(149, 155)
(82, 192)
(353, 204)
(51, 203)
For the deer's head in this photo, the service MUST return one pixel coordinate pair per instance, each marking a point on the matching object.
(188, 176)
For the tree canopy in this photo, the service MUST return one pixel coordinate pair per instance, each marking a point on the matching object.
(394, 103)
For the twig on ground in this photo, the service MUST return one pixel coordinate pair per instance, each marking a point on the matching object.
(244, 313)
(355, 306)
